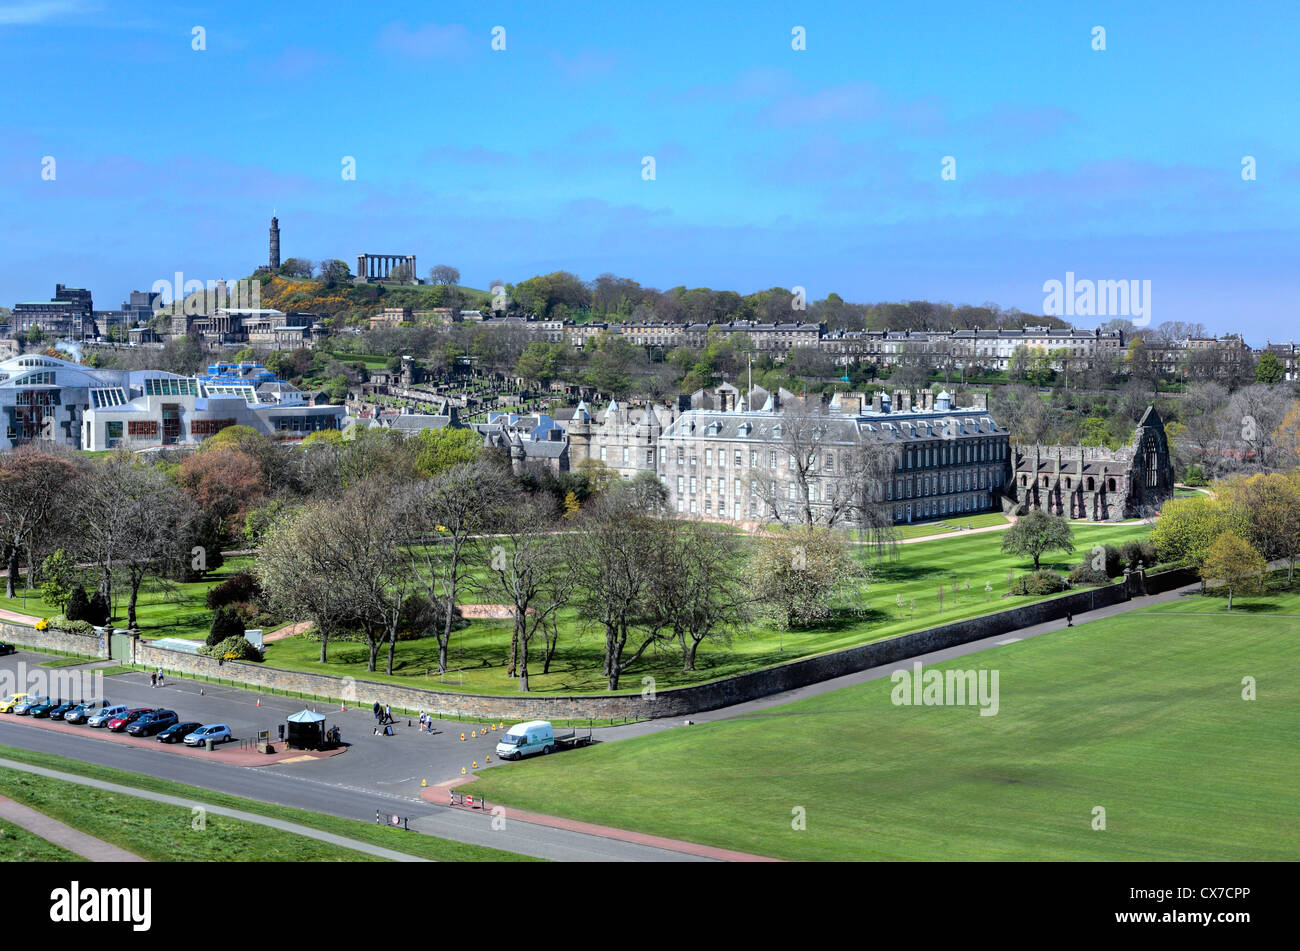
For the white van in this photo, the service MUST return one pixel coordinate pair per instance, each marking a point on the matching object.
(108, 713)
(525, 739)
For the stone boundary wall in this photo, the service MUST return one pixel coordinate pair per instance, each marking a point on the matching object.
(680, 701)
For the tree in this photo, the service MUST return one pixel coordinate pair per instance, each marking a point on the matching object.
(333, 271)
(299, 567)
(698, 590)
(444, 274)
(446, 512)
(225, 623)
(613, 561)
(59, 579)
(223, 482)
(801, 490)
(402, 274)
(1188, 527)
(530, 566)
(1268, 505)
(794, 574)
(440, 449)
(1287, 437)
(1232, 562)
(1038, 532)
(132, 521)
(1269, 369)
(297, 267)
(36, 485)
(77, 605)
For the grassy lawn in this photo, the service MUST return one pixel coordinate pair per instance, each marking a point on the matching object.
(19, 845)
(163, 833)
(424, 846)
(179, 612)
(944, 526)
(1141, 714)
(478, 651)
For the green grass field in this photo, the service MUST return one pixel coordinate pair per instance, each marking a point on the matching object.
(163, 833)
(19, 845)
(424, 846)
(176, 612)
(478, 651)
(1141, 714)
(946, 526)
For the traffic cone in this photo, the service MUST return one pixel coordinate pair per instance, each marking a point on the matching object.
(424, 783)
(475, 764)
(343, 707)
(462, 770)
(487, 758)
(259, 701)
(200, 691)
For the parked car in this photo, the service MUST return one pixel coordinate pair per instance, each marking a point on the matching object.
(177, 732)
(8, 703)
(151, 723)
(216, 732)
(103, 716)
(24, 707)
(120, 722)
(84, 711)
(7, 649)
(58, 712)
(43, 709)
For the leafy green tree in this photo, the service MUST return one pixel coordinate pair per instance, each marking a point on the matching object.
(78, 605)
(1269, 369)
(58, 579)
(441, 449)
(225, 624)
(1188, 527)
(1233, 562)
(1036, 533)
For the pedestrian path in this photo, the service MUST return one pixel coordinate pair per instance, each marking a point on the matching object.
(63, 835)
(304, 831)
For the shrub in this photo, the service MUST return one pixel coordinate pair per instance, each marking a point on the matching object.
(241, 587)
(1038, 583)
(43, 624)
(233, 648)
(1087, 575)
(62, 623)
(1138, 551)
(78, 605)
(225, 625)
(98, 612)
(1195, 475)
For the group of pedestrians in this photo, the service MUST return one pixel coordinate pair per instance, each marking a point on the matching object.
(426, 722)
(156, 678)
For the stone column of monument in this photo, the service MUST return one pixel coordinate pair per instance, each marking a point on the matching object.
(275, 243)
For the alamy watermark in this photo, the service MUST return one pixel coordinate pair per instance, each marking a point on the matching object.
(1085, 298)
(83, 686)
(945, 688)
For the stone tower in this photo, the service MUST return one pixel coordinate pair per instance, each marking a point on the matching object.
(275, 244)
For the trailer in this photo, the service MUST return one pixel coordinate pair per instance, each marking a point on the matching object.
(537, 736)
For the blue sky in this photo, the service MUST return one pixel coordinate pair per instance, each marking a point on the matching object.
(818, 167)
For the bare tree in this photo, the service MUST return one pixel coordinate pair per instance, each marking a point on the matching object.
(802, 487)
(35, 486)
(698, 589)
(613, 565)
(530, 566)
(132, 520)
(448, 511)
(301, 570)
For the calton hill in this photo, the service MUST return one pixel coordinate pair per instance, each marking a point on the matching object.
(427, 561)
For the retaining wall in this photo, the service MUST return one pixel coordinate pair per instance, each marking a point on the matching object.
(679, 701)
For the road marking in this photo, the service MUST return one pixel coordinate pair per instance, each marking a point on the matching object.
(1010, 640)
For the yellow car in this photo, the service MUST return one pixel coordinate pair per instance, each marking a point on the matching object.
(7, 704)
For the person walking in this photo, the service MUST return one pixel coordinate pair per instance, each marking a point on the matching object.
(153, 680)
(388, 713)
(376, 710)
(160, 677)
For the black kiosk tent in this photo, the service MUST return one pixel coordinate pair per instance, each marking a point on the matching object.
(306, 730)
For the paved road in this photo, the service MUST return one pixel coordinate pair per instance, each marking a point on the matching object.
(384, 773)
(377, 773)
